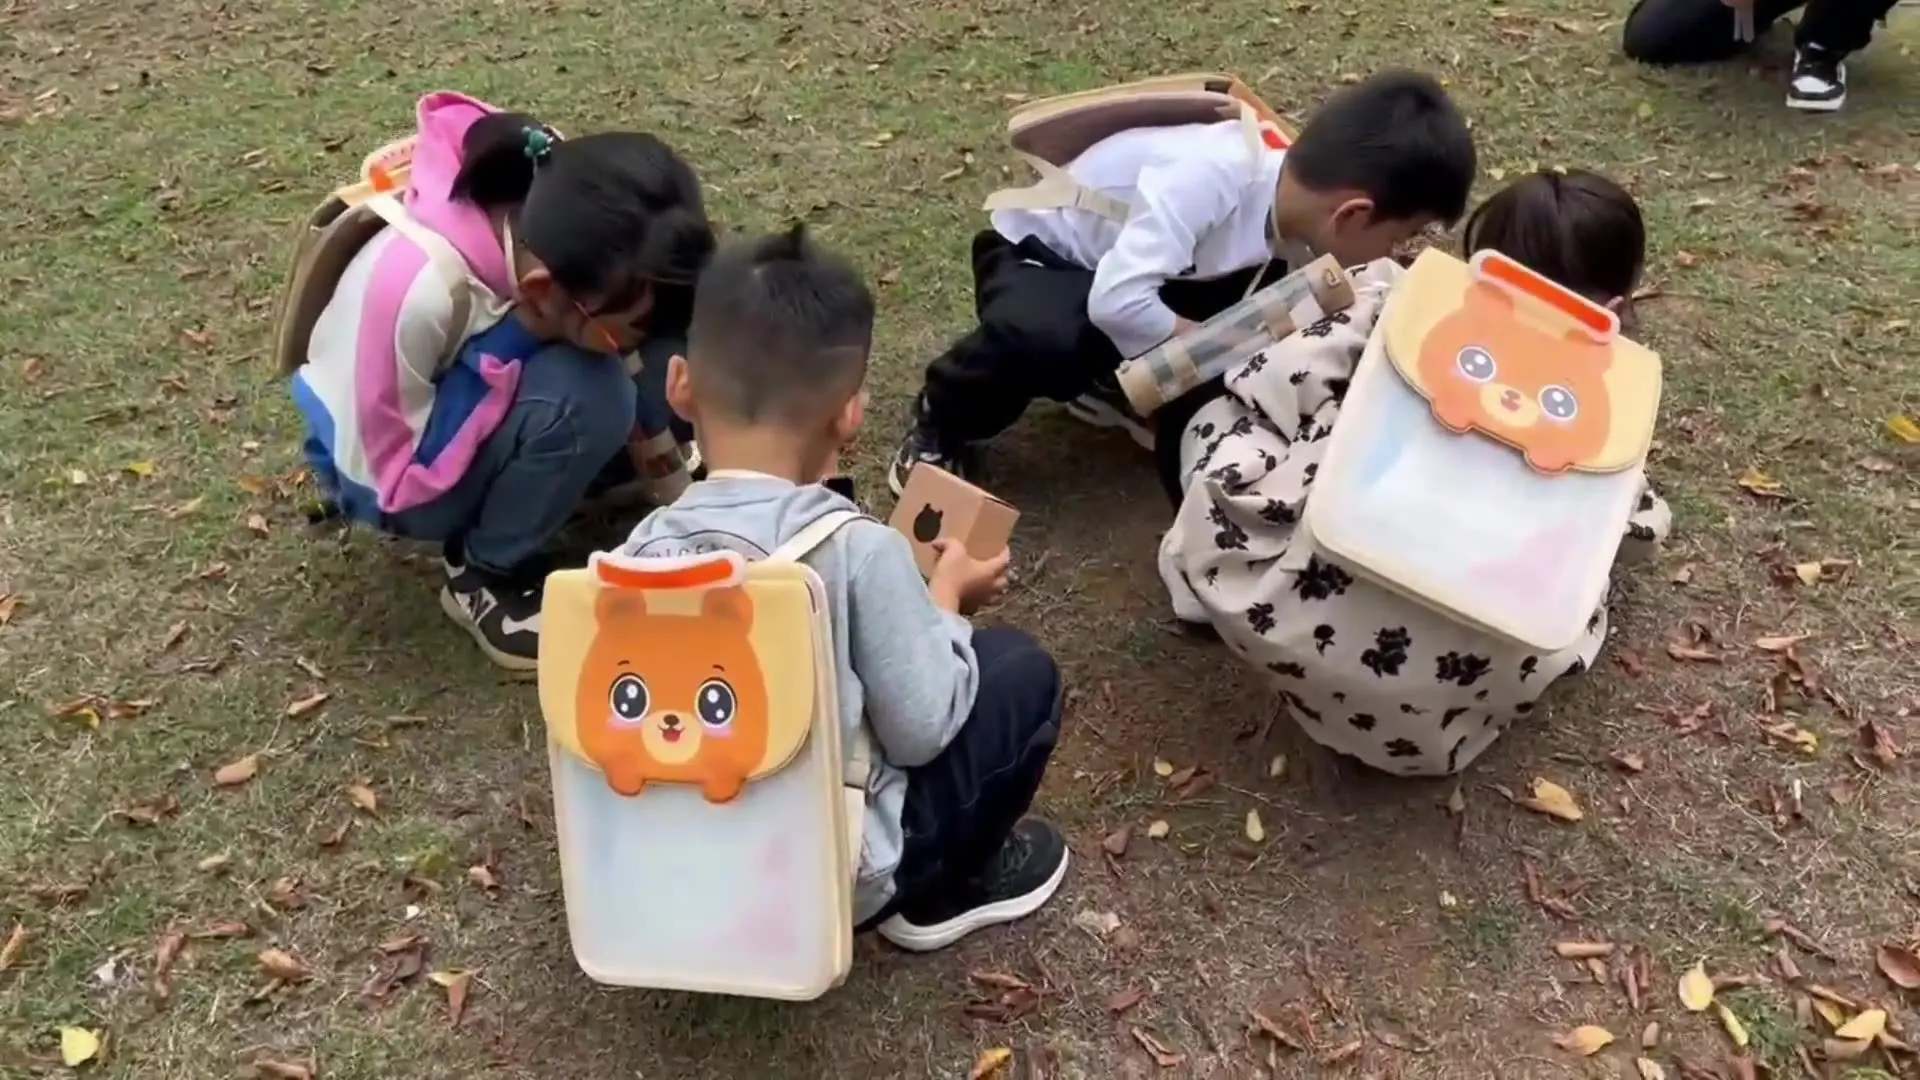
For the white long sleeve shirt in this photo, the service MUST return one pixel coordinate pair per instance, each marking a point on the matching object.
(1199, 209)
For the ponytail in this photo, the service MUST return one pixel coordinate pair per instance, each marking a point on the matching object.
(498, 158)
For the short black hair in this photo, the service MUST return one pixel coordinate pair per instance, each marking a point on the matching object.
(610, 215)
(1576, 227)
(1396, 136)
(781, 330)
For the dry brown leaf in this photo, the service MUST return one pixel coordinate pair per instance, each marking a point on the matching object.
(1183, 777)
(1875, 738)
(1275, 1032)
(1116, 841)
(1162, 769)
(1696, 989)
(1342, 1053)
(1581, 950)
(1277, 768)
(1649, 1069)
(991, 1063)
(1629, 761)
(1630, 662)
(1158, 830)
(283, 965)
(363, 797)
(257, 524)
(1779, 643)
(455, 983)
(1692, 653)
(1157, 1050)
(16, 941)
(1650, 1035)
(282, 1070)
(308, 704)
(1838, 1049)
(284, 894)
(239, 772)
(1552, 800)
(1586, 1040)
(1785, 929)
(152, 812)
(1896, 962)
(1736, 1030)
(482, 877)
(1124, 1000)
(229, 928)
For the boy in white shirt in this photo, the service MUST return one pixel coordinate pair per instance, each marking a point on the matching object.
(1065, 296)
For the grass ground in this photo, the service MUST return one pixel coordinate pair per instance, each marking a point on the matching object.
(165, 614)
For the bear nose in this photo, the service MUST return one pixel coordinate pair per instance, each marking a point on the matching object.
(1510, 400)
(671, 722)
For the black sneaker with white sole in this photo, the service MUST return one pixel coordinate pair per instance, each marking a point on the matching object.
(923, 445)
(1106, 406)
(1022, 877)
(501, 612)
(1818, 82)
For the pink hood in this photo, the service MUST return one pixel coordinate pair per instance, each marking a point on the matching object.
(445, 117)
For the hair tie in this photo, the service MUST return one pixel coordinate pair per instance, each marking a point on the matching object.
(539, 145)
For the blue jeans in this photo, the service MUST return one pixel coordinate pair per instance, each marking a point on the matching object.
(564, 436)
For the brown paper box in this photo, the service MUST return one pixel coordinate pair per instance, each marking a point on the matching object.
(939, 505)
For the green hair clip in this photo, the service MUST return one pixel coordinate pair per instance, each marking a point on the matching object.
(539, 145)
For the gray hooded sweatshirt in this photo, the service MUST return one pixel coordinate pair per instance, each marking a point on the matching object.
(906, 668)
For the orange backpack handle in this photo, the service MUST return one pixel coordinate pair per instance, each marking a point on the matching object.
(1599, 322)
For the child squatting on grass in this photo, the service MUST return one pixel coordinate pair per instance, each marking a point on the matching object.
(591, 246)
(1066, 295)
(964, 720)
(1366, 672)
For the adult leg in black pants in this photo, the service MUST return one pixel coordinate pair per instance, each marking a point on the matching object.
(1701, 31)
(972, 858)
(1034, 340)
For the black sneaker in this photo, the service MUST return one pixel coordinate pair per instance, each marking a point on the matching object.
(1106, 406)
(1818, 82)
(923, 445)
(502, 613)
(1024, 876)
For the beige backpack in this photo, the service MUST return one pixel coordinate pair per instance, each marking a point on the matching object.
(1049, 133)
(335, 232)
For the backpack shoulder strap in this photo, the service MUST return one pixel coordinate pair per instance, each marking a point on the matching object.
(799, 546)
(446, 261)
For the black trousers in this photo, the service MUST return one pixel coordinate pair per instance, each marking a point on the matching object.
(962, 805)
(1699, 31)
(1035, 339)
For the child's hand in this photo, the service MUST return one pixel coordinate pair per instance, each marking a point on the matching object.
(964, 584)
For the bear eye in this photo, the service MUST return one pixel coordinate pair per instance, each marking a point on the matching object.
(1558, 402)
(715, 703)
(629, 698)
(1476, 364)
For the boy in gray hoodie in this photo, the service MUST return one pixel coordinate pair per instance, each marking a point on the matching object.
(964, 721)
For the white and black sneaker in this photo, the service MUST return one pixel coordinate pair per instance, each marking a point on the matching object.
(1106, 406)
(923, 445)
(1023, 877)
(1818, 82)
(502, 613)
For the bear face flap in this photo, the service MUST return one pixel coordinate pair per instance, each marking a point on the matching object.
(699, 671)
(1503, 352)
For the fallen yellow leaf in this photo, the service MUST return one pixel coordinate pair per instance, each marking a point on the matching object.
(1869, 1026)
(1158, 830)
(1904, 428)
(1649, 1069)
(15, 942)
(1696, 989)
(140, 468)
(1586, 1040)
(238, 772)
(455, 983)
(1256, 832)
(1759, 483)
(1829, 1012)
(1277, 767)
(363, 797)
(1552, 800)
(1808, 572)
(991, 1063)
(1735, 1029)
(77, 1046)
(1162, 769)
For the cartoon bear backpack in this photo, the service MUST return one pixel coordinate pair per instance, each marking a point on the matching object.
(709, 820)
(1489, 449)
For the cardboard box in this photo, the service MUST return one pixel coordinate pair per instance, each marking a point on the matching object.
(939, 505)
